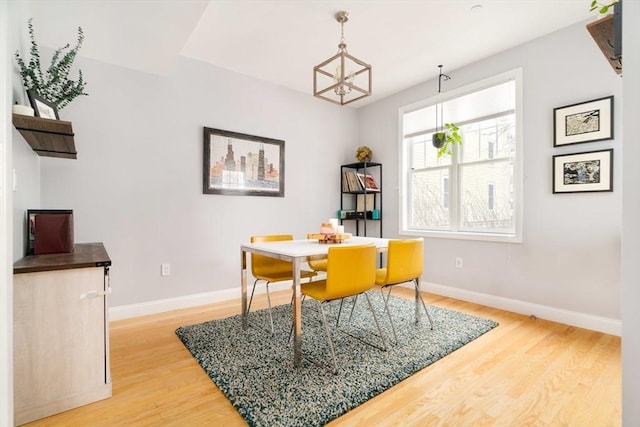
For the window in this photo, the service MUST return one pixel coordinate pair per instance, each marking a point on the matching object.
(475, 192)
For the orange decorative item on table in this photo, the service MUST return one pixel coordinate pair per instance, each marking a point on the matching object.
(328, 234)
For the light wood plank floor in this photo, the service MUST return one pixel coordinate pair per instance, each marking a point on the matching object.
(525, 372)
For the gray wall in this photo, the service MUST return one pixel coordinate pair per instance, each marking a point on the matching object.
(570, 257)
(137, 182)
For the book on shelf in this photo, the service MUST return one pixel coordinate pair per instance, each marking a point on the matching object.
(345, 182)
(364, 203)
(368, 182)
(350, 182)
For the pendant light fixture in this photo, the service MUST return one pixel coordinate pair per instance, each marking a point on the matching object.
(343, 78)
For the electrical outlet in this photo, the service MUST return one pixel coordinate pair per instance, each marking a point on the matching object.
(165, 269)
(458, 262)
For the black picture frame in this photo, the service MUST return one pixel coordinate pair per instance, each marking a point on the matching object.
(42, 107)
(238, 164)
(583, 122)
(587, 172)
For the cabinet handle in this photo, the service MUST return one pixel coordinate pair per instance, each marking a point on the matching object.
(95, 294)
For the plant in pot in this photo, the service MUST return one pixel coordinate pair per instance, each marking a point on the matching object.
(444, 139)
(54, 84)
(447, 134)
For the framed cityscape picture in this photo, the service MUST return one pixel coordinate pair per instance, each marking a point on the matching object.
(242, 165)
(584, 122)
(583, 172)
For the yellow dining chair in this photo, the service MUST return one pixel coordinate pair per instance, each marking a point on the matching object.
(351, 270)
(405, 258)
(272, 270)
(317, 264)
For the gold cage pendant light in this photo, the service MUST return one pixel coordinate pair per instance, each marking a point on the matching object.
(343, 78)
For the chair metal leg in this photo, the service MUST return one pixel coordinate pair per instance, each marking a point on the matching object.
(384, 341)
(339, 312)
(386, 308)
(326, 328)
(375, 318)
(355, 300)
(251, 299)
(419, 296)
(273, 331)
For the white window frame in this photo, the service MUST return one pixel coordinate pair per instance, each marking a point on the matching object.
(404, 159)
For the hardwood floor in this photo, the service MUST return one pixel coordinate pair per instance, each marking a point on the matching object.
(525, 372)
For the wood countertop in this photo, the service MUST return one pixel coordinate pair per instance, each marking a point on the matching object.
(84, 255)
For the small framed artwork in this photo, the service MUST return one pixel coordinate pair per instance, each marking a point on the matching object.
(584, 122)
(583, 172)
(242, 165)
(42, 107)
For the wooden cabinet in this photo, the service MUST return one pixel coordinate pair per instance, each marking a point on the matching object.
(61, 339)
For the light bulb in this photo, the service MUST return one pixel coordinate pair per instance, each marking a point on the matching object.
(342, 89)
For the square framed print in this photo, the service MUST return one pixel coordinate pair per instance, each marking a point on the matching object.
(242, 165)
(583, 172)
(42, 107)
(584, 122)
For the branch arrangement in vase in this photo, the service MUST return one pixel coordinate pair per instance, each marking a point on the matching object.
(53, 84)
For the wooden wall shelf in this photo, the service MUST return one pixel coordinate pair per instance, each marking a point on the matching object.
(602, 32)
(50, 138)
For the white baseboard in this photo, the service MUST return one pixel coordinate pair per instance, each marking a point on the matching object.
(573, 318)
(153, 307)
(582, 320)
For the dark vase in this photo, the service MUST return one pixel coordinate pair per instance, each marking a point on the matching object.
(438, 139)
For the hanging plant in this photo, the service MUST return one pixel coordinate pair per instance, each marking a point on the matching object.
(601, 7)
(445, 139)
(449, 134)
(54, 84)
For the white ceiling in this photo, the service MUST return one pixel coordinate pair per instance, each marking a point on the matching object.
(280, 41)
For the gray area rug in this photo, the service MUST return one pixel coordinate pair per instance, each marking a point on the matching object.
(255, 369)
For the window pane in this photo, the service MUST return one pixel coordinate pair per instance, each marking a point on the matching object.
(424, 154)
(486, 102)
(419, 120)
(429, 207)
(487, 196)
(488, 139)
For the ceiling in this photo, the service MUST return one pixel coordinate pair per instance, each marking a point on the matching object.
(280, 41)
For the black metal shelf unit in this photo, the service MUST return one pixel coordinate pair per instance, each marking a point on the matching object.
(361, 197)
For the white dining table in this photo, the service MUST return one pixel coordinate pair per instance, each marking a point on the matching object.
(296, 252)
